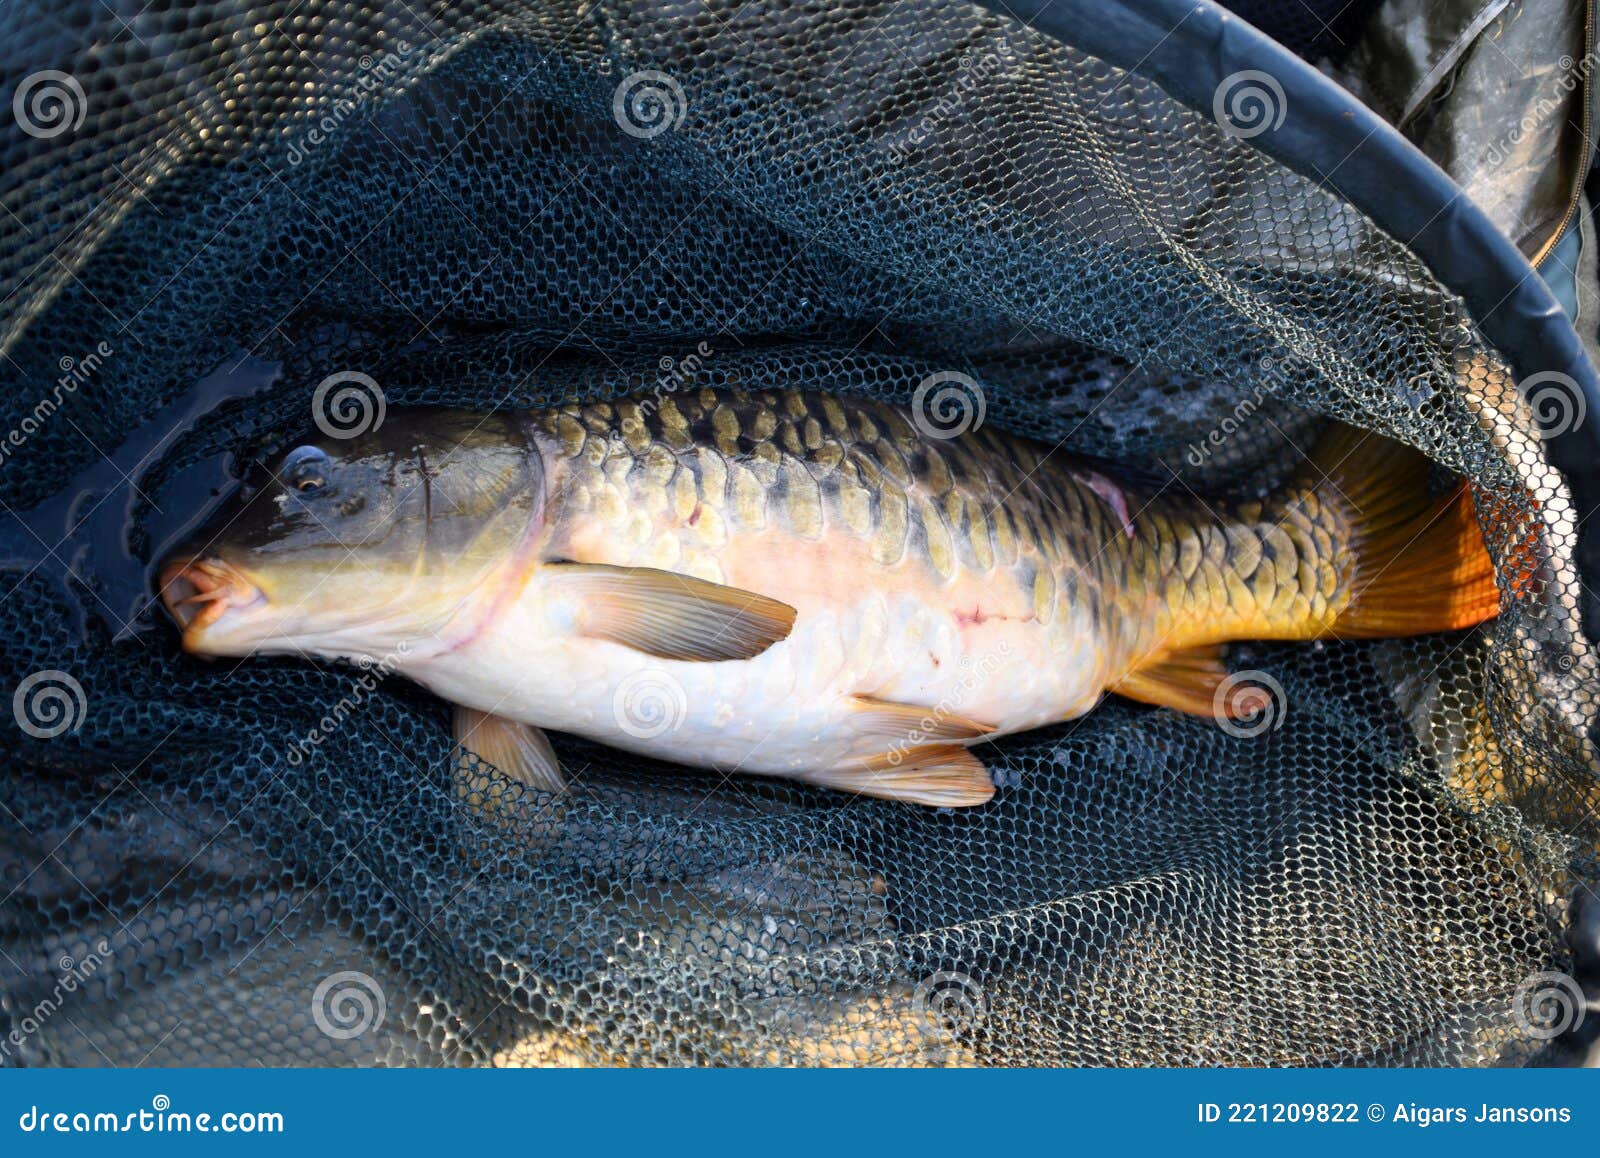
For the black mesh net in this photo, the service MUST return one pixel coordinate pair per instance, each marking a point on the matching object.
(514, 203)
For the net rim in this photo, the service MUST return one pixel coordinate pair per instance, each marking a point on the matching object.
(1193, 48)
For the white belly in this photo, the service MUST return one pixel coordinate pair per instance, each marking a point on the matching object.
(787, 710)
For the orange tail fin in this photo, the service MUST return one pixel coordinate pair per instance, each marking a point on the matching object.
(1421, 565)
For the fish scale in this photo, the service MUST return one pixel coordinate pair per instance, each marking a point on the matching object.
(810, 463)
(984, 504)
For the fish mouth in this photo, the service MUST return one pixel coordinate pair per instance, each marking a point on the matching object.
(197, 592)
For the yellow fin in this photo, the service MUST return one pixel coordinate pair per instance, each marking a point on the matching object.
(672, 616)
(910, 725)
(521, 751)
(1421, 565)
(938, 775)
(1188, 681)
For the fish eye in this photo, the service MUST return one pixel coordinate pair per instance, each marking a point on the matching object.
(305, 468)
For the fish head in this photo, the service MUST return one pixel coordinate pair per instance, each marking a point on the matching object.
(353, 547)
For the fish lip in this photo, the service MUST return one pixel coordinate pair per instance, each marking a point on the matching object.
(197, 591)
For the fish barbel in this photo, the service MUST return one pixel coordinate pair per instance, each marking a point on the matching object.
(801, 585)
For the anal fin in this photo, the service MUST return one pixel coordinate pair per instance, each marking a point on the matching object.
(938, 775)
(520, 750)
(1191, 681)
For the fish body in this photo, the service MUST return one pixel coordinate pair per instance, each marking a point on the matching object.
(798, 584)
(921, 573)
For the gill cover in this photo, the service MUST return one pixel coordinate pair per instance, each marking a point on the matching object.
(389, 529)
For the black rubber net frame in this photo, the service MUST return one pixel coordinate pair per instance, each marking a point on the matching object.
(511, 204)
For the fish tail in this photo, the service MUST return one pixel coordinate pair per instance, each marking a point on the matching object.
(1420, 565)
(1356, 548)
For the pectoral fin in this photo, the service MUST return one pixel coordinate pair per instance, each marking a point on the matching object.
(521, 751)
(938, 775)
(672, 616)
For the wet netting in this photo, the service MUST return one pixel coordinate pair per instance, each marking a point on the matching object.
(211, 209)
